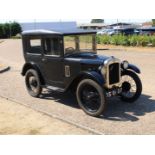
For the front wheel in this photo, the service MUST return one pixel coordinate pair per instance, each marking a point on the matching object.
(91, 97)
(131, 86)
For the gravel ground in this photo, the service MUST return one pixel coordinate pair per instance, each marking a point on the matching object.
(18, 119)
(120, 118)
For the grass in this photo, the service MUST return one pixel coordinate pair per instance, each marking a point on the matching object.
(85, 38)
(16, 37)
(131, 40)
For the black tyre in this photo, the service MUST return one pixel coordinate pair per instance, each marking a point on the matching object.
(91, 97)
(131, 86)
(33, 84)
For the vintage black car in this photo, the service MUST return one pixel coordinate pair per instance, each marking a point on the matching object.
(67, 60)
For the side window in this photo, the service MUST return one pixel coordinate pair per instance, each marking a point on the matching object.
(34, 46)
(52, 46)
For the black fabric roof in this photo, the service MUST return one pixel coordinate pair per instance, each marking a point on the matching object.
(59, 32)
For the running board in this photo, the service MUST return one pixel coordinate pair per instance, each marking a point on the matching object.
(57, 89)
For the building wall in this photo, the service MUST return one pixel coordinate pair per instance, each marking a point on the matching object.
(94, 26)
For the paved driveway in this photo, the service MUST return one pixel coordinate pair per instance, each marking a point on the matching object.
(120, 118)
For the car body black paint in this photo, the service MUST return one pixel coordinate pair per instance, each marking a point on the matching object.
(52, 68)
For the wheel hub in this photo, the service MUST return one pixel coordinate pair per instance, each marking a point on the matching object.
(33, 82)
(90, 98)
(90, 95)
(126, 86)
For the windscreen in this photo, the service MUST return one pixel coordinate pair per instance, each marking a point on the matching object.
(79, 43)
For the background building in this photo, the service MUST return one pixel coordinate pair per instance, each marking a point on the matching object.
(94, 26)
(123, 25)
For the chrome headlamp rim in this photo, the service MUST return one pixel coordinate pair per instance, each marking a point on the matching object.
(125, 64)
(103, 70)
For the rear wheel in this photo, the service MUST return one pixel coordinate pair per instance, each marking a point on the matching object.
(131, 86)
(33, 84)
(91, 97)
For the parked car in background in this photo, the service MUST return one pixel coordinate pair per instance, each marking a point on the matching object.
(101, 32)
(68, 61)
(127, 31)
(124, 31)
(147, 31)
(106, 32)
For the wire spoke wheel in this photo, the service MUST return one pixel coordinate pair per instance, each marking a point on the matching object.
(91, 97)
(131, 86)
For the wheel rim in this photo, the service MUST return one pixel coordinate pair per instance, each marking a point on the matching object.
(32, 83)
(129, 87)
(90, 98)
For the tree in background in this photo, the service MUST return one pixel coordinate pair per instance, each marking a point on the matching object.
(15, 28)
(153, 22)
(97, 21)
(1, 30)
(8, 30)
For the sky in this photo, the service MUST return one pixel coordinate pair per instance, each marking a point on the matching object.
(81, 11)
(107, 21)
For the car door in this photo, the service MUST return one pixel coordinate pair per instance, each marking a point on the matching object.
(52, 61)
(33, 50)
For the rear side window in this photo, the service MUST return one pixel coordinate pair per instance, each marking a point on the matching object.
(34, 46)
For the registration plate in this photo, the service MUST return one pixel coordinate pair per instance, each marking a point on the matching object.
(113, 92)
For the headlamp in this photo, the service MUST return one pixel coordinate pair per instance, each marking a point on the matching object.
(125, 64)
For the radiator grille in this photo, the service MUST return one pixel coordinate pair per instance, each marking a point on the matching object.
(114, 73)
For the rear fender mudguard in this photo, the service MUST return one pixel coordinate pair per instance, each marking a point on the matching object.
(28, 66)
